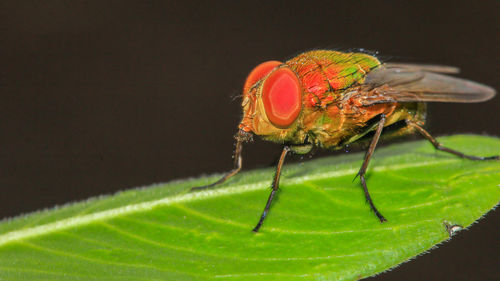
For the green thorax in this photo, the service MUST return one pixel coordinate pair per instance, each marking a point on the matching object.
(326, 75)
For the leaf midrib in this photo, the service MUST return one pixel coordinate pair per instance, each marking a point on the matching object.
(190, 197)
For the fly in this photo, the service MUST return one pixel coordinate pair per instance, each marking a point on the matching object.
(331, 99)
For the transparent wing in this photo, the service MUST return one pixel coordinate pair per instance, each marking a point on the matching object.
(397, 82)
(424, 67)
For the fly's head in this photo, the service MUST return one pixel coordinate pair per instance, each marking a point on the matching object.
(272, 100)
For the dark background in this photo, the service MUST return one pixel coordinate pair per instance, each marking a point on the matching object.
(102, 96)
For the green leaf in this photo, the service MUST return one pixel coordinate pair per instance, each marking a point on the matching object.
(320, 228)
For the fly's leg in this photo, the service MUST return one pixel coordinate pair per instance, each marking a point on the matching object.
(438, 146)
(240, 137)
(362, 171)
(274, 187)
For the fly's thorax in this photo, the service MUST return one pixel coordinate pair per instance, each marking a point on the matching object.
(325, 73)
(272, 103)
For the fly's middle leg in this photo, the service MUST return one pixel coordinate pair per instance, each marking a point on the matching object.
(438, 146)
(363, 168)
(274, 188)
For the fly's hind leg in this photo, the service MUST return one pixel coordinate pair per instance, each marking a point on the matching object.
(240, 137)
(438, 146)
(362, 171)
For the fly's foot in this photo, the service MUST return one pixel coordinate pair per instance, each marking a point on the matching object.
(196, 188)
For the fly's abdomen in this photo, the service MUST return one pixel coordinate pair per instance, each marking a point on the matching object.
(397, 115)
(349, 121)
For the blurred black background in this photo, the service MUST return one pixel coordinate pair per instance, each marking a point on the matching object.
(102, 96)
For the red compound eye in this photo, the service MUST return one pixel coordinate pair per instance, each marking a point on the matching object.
(259, 72)
(282, 97)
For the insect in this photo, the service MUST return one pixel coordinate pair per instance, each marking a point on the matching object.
(331, 99)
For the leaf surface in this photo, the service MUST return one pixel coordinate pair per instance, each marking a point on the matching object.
(319, 228)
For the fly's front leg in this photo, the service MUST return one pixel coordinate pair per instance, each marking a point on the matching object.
(438, 146)
(240, 137)
(362, 171)
(274, 187)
